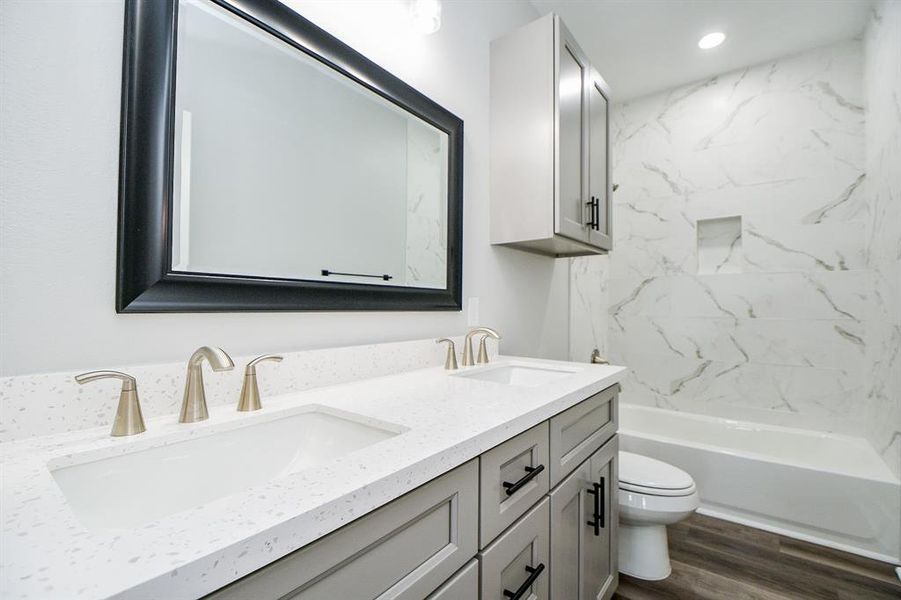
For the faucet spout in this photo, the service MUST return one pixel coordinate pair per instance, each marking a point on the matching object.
(193, 405)
(467, 343)
(217, 357)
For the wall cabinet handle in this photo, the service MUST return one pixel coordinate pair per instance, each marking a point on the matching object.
(531, 473)
(534, 573)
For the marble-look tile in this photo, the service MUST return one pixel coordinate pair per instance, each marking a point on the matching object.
(772, 246)
(883, 234)
(588, 301)
(426, 244)
(803, 150)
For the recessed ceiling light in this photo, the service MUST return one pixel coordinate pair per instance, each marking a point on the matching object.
(426, 15)
(711, 40)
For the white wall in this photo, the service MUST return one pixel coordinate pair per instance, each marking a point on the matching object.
(779, 334)
(59, 113)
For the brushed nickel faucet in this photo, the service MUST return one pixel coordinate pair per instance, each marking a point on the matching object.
(250, 391)
(129, 420)
(483, 351)
(193, 406)
(450, 361)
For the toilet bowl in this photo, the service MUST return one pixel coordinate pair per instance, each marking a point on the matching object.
(652, 495)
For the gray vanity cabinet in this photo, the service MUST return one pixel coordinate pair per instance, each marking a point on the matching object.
(536, 514)
(403, 551)
(583, 551)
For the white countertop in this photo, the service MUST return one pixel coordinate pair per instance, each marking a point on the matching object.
(47, 553)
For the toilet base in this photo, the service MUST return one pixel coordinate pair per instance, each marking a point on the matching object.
(643, 552)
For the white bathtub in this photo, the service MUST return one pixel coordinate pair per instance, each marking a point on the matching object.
(823, 488)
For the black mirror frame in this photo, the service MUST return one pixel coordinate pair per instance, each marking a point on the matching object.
(145, 282)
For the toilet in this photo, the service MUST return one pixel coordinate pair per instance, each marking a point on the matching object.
(652, 495)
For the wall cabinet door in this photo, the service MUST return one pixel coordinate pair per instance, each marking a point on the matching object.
(583, 525)
(572, 77)
(599, 186)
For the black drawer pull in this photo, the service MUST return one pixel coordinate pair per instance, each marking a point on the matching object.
(534, 573)
(531, 473)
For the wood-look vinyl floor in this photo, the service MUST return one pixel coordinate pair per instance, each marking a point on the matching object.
(718, 560)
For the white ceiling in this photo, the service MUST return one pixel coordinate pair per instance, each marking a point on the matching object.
(644, 46)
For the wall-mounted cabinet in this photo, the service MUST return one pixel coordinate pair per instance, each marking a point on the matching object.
(550, 147)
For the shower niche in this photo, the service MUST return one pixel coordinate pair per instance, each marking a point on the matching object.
(719, 245)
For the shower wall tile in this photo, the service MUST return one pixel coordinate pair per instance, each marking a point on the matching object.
(589, 299)
(785, 340)
(883, 233)
(771, 245)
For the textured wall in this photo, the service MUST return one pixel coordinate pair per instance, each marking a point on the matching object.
(882, 77)
(773, 327)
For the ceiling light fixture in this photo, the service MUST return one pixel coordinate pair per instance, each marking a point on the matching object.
(426, 15)
(711, 40)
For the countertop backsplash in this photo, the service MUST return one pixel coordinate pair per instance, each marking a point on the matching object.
(49, 403)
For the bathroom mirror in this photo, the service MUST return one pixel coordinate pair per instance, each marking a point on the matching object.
(265, 165)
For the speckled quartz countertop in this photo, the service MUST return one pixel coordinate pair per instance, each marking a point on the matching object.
(447, 420)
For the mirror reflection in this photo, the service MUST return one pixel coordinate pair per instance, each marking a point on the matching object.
(285, 168)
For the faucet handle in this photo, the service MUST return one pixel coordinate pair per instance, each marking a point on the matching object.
(252, 365)
(483, 351)
(450, 361)
(250, 391)
(129, 420)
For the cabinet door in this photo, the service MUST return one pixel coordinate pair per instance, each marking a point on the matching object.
(583, 557)
(571, 508)
(571, 80)
(601, 550)
(402, 551)
(516, 563)
(599, 186)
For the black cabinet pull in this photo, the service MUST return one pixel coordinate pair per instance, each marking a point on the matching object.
(590, 205)
(531, 473)
(534, 573)
(602, 514)
(597, 213)
(597, 490)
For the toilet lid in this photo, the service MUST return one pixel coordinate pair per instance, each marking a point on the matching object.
(640, 473)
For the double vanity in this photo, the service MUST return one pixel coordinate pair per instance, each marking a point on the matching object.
(488, 481)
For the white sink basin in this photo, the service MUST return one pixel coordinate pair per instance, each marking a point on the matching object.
(521, 375)
(132, 489)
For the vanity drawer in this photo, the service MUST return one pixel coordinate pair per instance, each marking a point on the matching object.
(513, 477)
(403, 550)
(519, 558)
(462, 586)
(577, 432)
